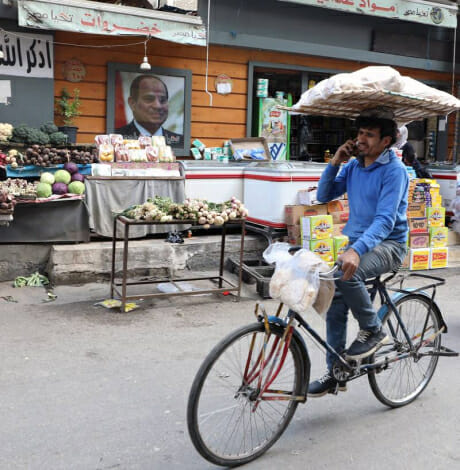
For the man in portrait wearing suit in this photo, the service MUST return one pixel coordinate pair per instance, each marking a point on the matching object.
(148, 100)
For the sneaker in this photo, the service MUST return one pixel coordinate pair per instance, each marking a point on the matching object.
(366, 343)
(326, 384)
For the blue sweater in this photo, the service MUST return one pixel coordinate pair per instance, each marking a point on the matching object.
(377, 196)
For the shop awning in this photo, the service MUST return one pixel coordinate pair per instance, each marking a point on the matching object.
(114, 20)
(431, 13)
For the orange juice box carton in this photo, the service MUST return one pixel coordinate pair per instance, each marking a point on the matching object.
(438, 237)
(340, 245)
(323, 248)
(439, 257)
(418, 224)
(415, 209)
(436, 216)
(316, 227)
(419, 240)
(436, 201)
(419, 258)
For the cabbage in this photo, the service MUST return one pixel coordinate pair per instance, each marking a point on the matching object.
(76, 187)
(78, 177)
(44, 190)
(62, 176)
(59, 188)
(47, 177)
(71, 167)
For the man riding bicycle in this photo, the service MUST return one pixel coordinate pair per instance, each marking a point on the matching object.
(377, 186)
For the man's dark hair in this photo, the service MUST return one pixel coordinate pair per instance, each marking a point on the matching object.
(136, 83)
(387, 127)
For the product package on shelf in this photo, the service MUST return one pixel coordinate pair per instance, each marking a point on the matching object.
(113, 147)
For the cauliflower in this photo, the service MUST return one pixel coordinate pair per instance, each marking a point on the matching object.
(6, 130)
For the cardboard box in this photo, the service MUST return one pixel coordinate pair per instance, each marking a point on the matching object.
(292, 214)
(250, 143)
(419, 258)
(338, 205)
(323, 248)
(415, 210)
(339, 217)
(293, 231)
(436, 216)
(418, 224)
(337, 229)
(307, 196)
(439, 257)
(419, 240)
(316, 227)
(340, 245)
(438, 237)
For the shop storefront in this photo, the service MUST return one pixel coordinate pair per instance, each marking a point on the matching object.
(218, 88)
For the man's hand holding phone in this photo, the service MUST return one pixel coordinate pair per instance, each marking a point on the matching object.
(344, 152)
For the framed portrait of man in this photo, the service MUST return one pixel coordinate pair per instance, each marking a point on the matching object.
(155, 102)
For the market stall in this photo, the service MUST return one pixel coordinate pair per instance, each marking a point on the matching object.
(59, 220)
(109, 195)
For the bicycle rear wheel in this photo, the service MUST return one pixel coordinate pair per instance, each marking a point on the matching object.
(398, 383)
(229, 420)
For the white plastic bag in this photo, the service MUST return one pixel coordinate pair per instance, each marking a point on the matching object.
(295, 281)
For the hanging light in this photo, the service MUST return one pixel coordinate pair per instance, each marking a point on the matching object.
(145, 61)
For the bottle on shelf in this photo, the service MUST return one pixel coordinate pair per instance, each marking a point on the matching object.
(327, 156)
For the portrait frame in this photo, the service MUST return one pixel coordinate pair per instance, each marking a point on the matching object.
(179, 80)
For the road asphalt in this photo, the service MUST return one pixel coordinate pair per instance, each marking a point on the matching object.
(84, 387)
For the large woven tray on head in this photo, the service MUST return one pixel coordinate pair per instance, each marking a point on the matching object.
(418, 101)
(349, 105)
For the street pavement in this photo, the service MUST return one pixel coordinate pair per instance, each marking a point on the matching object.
(84, 387)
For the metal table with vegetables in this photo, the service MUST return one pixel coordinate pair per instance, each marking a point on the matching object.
(163, 211)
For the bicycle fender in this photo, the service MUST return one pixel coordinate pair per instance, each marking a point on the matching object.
(300, 342)
(383, 310)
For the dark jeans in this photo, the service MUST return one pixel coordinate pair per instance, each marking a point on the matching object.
(353, 295)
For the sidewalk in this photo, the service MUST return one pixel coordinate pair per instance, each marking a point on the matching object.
(91, 262)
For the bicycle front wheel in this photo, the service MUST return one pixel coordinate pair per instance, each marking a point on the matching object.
(400, 382)
(244, 395)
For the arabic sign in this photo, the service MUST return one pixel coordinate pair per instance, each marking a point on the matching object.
(435, 14)
(35, 14)
(27, 56)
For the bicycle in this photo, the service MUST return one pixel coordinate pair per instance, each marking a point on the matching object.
(247, 390)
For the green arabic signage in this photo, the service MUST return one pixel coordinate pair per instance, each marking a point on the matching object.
(435, 14)
(96, 18)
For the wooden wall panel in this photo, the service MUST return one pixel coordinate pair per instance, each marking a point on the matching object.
(226, 119)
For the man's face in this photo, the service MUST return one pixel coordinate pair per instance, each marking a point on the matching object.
(151, 107)
(370, 144)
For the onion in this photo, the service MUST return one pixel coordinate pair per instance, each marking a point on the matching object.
(202, 220)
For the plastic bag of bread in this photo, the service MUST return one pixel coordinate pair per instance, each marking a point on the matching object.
(295, 281)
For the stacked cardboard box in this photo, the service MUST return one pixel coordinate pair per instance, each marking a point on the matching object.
(428, 235)
(292, 219)
(319, 227)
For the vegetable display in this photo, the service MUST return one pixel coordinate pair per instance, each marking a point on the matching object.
(5, 131)
(45, 156)
(7, 202)
(205, 213)
(19, 188)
